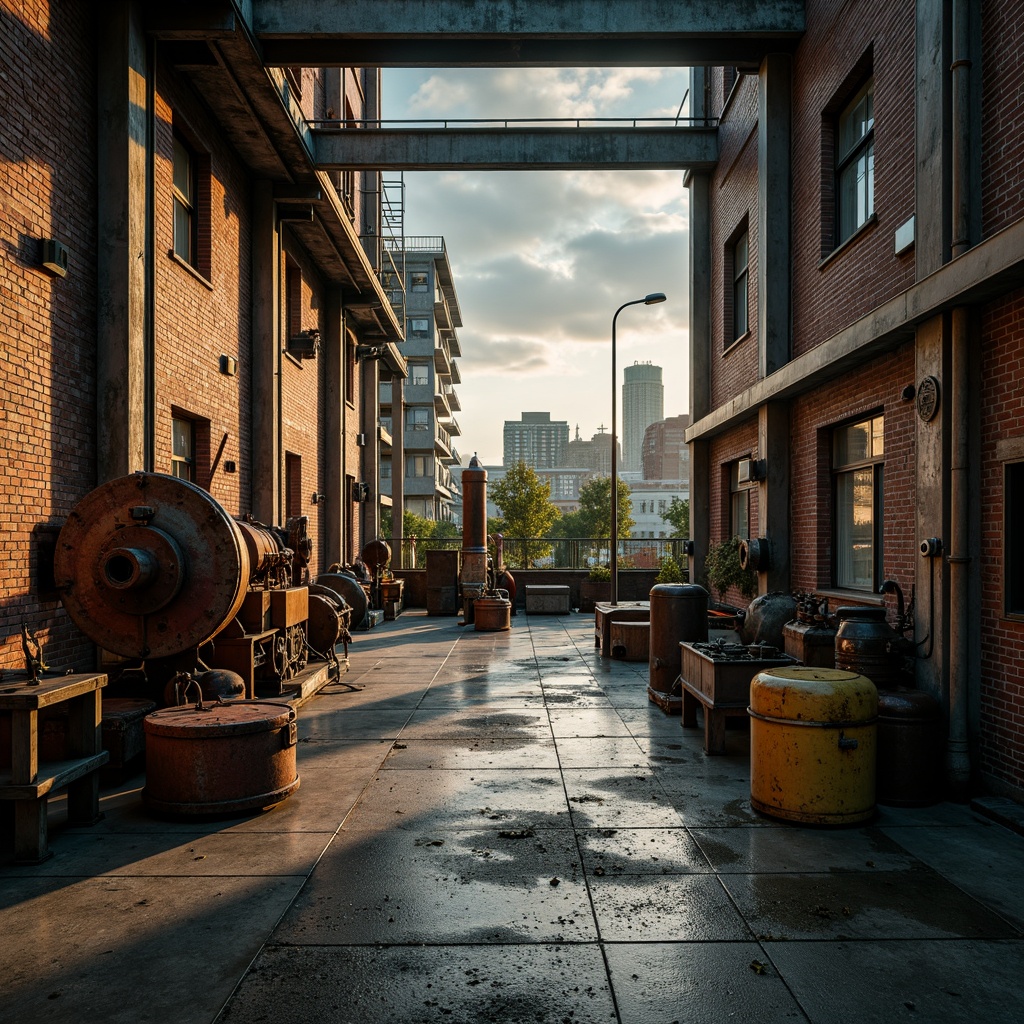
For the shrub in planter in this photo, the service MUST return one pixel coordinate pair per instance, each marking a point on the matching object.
(722, 569)
(596, 587)
(669, 571)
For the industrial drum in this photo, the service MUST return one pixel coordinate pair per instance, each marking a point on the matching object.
(679, 612)
(219, 759)
(492, 613)
(813, 744)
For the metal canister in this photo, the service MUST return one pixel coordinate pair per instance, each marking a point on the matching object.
(813, 735)
(864, 644)
(219, 759)
(492, 613)
(679, 613)
(909, 748)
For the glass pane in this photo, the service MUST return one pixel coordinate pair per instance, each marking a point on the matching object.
(878, 436)
(740, 257)
(857, 120)
(855, 529)
(741, 514)
(182, 169)
(182, 231)
(853, 444)
(181, 438)
(740, 305)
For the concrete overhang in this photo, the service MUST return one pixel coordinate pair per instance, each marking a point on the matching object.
(523, 33)
(211, 44)
(986, 272)
(517, 148)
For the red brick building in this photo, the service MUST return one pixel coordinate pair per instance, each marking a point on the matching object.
(181, 290)
(857, 331)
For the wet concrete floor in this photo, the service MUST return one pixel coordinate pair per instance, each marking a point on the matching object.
(500, 827)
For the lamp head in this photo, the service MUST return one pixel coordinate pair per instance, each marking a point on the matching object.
(650, 300)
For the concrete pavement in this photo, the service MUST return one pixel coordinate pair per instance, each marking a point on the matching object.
(500, 827)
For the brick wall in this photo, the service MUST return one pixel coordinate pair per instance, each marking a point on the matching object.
(47, 323)
(1002, 637)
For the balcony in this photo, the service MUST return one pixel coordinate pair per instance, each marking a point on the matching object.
(453, 398)
(453, 428)
(442, 359)
(441, 407)
(442, 443)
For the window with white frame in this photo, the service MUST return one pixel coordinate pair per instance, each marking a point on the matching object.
(419, 465)
(858, 453)
(419, 281)
(417, 417)
(419, 326)
(855, 163)
(419, 373)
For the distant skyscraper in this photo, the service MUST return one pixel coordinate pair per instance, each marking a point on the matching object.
(643, 403)
(535, 439)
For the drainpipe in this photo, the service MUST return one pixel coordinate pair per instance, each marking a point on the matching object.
(958, 767)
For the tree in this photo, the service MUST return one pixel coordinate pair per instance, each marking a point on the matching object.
(595, 509)
(677, 515)
(524, 500)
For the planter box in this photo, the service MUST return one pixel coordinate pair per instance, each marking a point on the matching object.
(592, 592)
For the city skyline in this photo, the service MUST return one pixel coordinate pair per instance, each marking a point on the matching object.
(541, 260)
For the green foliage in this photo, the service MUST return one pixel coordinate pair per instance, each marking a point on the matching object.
(677, 515)
(722, 569)
(669, 571)
(595, 509)
(600, 574)
(524, 500)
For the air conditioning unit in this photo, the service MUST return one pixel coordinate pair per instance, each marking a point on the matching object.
(750, 470)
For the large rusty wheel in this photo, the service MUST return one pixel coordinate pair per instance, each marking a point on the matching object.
(149, 566)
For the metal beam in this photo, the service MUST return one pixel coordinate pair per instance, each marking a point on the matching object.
(524, 33)
(493, 149)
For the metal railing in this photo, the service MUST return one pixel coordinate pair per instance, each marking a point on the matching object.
(560, 552)
(518, 122)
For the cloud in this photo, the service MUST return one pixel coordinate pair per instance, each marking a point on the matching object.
(541, 260)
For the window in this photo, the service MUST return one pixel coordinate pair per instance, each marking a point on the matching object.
(417, 417)
(857, 471)
(385, 469)
(419, 281)
(739, 504)
(1013, 562)
(740, 280)
(419, 326)
(186, 221)
(419, 373)
(419, 465)
(183, 449)
(293, 484)
(855, 163)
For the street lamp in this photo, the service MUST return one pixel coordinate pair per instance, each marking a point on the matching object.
(647, 300)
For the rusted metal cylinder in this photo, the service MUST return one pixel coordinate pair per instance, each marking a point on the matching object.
(813, 734)
(492, 614)
(474, 509)
(909, 748)
(679, 613)
(864, 644)
(149, 566)
(220, 759)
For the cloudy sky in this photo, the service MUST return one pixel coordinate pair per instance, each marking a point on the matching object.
(542, 259)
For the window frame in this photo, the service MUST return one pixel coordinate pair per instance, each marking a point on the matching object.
(873, 461)
(739, 502)
(186, 203)
(183, 466)
(1013, 541)
(861, 147)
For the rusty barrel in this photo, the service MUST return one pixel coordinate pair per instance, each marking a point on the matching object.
(909, 748)
(813, 735)
(219, 759)
(679, 613)
(492, 614)
(864, 644)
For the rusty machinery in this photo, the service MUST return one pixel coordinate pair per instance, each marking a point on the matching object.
(153, 568)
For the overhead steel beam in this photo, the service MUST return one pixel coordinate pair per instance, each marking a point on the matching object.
(524, 33)
(493, 149)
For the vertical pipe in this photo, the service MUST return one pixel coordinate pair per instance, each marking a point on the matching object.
(957, 754)
(614, 540)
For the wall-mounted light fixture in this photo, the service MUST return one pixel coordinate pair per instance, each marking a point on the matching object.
(304, 345)
(317, 498)
(55, 256)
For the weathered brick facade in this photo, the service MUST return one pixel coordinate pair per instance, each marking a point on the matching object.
(215, 327)
(870, 325)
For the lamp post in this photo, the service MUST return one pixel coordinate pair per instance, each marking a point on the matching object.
(647, 300)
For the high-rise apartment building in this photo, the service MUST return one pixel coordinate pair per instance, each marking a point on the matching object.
(595, 454)
(537, 440)
(421, 418)
(643, 403)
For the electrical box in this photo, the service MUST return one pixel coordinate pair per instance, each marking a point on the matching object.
(55, 257)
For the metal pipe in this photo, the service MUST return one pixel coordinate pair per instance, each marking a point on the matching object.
(960, 81)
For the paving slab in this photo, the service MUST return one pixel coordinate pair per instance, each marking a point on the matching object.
(482, 752)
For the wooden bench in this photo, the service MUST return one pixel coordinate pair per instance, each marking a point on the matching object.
(27, 782)
(630, 641)
(549, 599)
(625, 611)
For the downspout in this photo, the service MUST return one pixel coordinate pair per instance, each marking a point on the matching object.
(958, 767)
(149, 279)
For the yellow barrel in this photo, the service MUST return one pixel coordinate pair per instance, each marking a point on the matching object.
(812, 744)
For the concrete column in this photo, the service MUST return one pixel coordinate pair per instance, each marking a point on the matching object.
(369, 411)
(121, 398)
(699, 186)
(333, 354)
(773, 495)
(774, 256)
(266, 357)
(397, 465)
(932, 137)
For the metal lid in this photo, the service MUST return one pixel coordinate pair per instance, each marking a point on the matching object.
(233, 718)
(823, 695)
